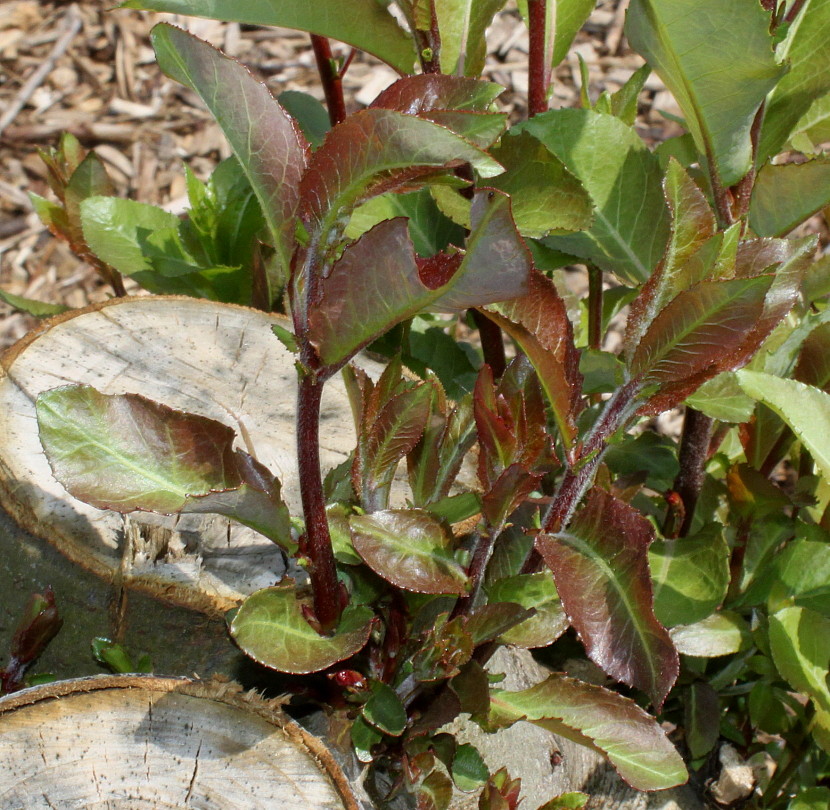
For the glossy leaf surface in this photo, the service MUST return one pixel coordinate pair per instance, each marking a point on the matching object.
(632, 740)
(784, 196)
(157, 459)
(719, 634)
(384, 709)
(270, 147)
(610, 604)
(630, 226)
(690, 576)
(719, 81)
(410, 549)
(536, 591)
(361, 23)
(270, 628)
(546, 196)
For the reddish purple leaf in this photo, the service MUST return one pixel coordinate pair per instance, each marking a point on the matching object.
(539, 323)
(416, 95)
(507, 493)
(610, 604)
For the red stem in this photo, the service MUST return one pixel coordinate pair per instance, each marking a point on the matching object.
(594, 307)
(330, 78)
(538, 61)
(694, 451)
(322, 570)
(492, 343)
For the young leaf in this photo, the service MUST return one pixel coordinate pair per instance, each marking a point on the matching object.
(632, 740)
(270, 147)
(546, 196)
(270, 628)
(384, 709)
(539, 323)
(535, 591)
(611, 606)
(363, 24)
(804, 408)
(690, 576)
(157, 459)
(90, 179)
(718, 81)
(806, 51)
(784, 196)
(410, 549)
(630, 226)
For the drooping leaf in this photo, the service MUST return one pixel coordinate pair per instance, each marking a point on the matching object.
(410, 549)
(384, 709)
(718, 81)
(157, 459)
(806, 51)
(632, 740)
(270, 628)
(719, 634)
(784, 196)
(686, 262)
(628, 235)
(805, 409)
(690, 576)
(610, 604)
(800, 644)
(536, 591)
(270, 147)
(363, 24)
(539, 323)
(40, 309)
(462, 24)
(546, 196)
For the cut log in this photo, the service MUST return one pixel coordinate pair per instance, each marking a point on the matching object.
(132, 742)
(216, 360)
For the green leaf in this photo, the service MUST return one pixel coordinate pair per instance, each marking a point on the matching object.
(690, 576)
(600, 565)
(536, 591)
(800, 576)
(624, 101)
(565, 18)
(804, 408)
(270, 628)
(650, 453)
(723, 399)
(156, 459)
(469, 770)
(435, 792)
(546, 196)
(800, 644)
(384, 709)
(539, 323)
(40, 309)
(363, 24)
(308, 112)
(462, 24)
(269, 146)
(566, 801)
(436, 351)
(632, 740)
(411, 549)
(784, 196)
(701, 713)
(806, 51)
(364, 737)
(631, 221)
(721, 633)
(815, 798)
(814, 125)
(90, 179)
(719, 80)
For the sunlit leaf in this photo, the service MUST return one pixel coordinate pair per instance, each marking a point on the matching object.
(410, 549)
(535, 591)
(462, 24)
(719, 81)
(157, 459)
(719, 634)
(565, 18)
(632, 740)
(631, 221)
(364, 24)
(784, 196)
(723, 399)
(546, 196)
(690, 576)
(40, 309)
(610, 604)
(270, 147)
(800, 576)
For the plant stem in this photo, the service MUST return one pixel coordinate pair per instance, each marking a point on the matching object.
(538, 58)
(322, 571)
(694, 451)
(793, 12)
(492, 343)
(743, 189)
(594, 307)
(330, 78)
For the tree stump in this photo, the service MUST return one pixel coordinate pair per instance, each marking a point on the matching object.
(133, 743)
